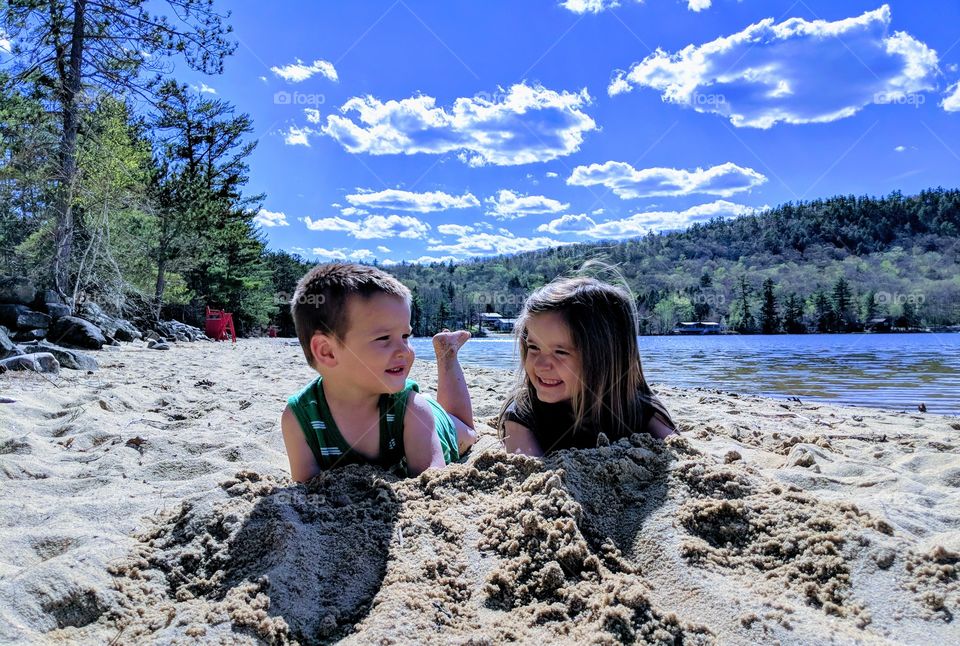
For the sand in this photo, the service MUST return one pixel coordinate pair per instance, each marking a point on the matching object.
(149, 503)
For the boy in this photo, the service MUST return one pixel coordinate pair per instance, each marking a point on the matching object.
(353, 322)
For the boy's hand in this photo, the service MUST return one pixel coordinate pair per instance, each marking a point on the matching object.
(420, 440)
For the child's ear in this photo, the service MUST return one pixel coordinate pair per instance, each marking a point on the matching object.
(323, 349)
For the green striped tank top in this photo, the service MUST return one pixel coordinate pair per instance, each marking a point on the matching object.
(331, 450)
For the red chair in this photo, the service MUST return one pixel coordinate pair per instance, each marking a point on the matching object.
(218, 324)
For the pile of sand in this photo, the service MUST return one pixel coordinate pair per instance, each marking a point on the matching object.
(143, 508)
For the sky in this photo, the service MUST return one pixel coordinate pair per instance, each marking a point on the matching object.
(420, 131)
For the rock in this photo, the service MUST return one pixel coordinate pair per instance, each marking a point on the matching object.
(67, 357)
(29, 335)
(126, 331)
(7, 348)
(37, 362)
(152, 335)
(15, 289)
(161, 346)
(77, 332)
(21, 317)
(58, 310)
(151, 343)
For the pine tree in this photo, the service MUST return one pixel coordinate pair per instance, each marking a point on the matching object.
(769, 317)
(841, 304)
(793, 315)
(824, 312)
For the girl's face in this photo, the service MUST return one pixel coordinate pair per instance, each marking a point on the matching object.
(553, 363)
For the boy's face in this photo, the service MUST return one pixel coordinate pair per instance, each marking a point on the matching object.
(553, 363)
(375, 354)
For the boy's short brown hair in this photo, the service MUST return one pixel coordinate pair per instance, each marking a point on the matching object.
(320, 301)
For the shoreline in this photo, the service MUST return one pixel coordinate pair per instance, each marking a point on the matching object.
(183, 449)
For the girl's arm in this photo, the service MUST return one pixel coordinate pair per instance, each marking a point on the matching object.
(517, 438)
(658, 428)
(303, 465)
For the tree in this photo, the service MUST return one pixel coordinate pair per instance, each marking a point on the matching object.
(824, 312)
(200, 168)
(841, 304)
(741, 318)
(769, 316)
(66, 46)
(793, 315)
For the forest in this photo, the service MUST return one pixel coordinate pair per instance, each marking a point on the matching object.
(123, 186)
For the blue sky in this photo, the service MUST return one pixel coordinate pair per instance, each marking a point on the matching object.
(407, 130)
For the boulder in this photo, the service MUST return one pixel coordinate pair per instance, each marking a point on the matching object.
(126, 331)
(7, 348)
(37, 362)
(29, 335)
(21, 317)
(67, 357)
(16, 289)
(120, 329)
(58, 310)
(77, 332)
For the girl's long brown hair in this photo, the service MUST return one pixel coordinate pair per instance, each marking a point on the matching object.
(603, 323)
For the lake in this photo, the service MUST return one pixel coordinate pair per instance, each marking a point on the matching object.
(893, 371)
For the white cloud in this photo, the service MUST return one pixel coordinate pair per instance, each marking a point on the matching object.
(426, 260)
(389, 262)
(552, 175)
(568, 224)
(295, 136)
(488, 244)
(330, 254)
(642, 223)
(203, 88)
(372, 227)
(797, 71)
(312, 114)
(589, 6)
(521, 126)
(262, 78)
(397, 200)
(629, 183)
(900, 149)
(596, 212)
(454, 229)
(698, 5)
(297, 72)
(507, 205)
(382, 249)
(361, 254)
(951, 102)
(5, 45)
(267, 218)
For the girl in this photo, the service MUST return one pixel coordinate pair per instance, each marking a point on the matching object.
(581, 371)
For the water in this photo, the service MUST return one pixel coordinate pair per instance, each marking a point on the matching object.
(892, 371)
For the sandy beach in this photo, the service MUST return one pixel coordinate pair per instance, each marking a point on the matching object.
(148, 502)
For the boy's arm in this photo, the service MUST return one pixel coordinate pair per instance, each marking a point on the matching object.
(517, 438)
(420, 440)
(303, 465)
